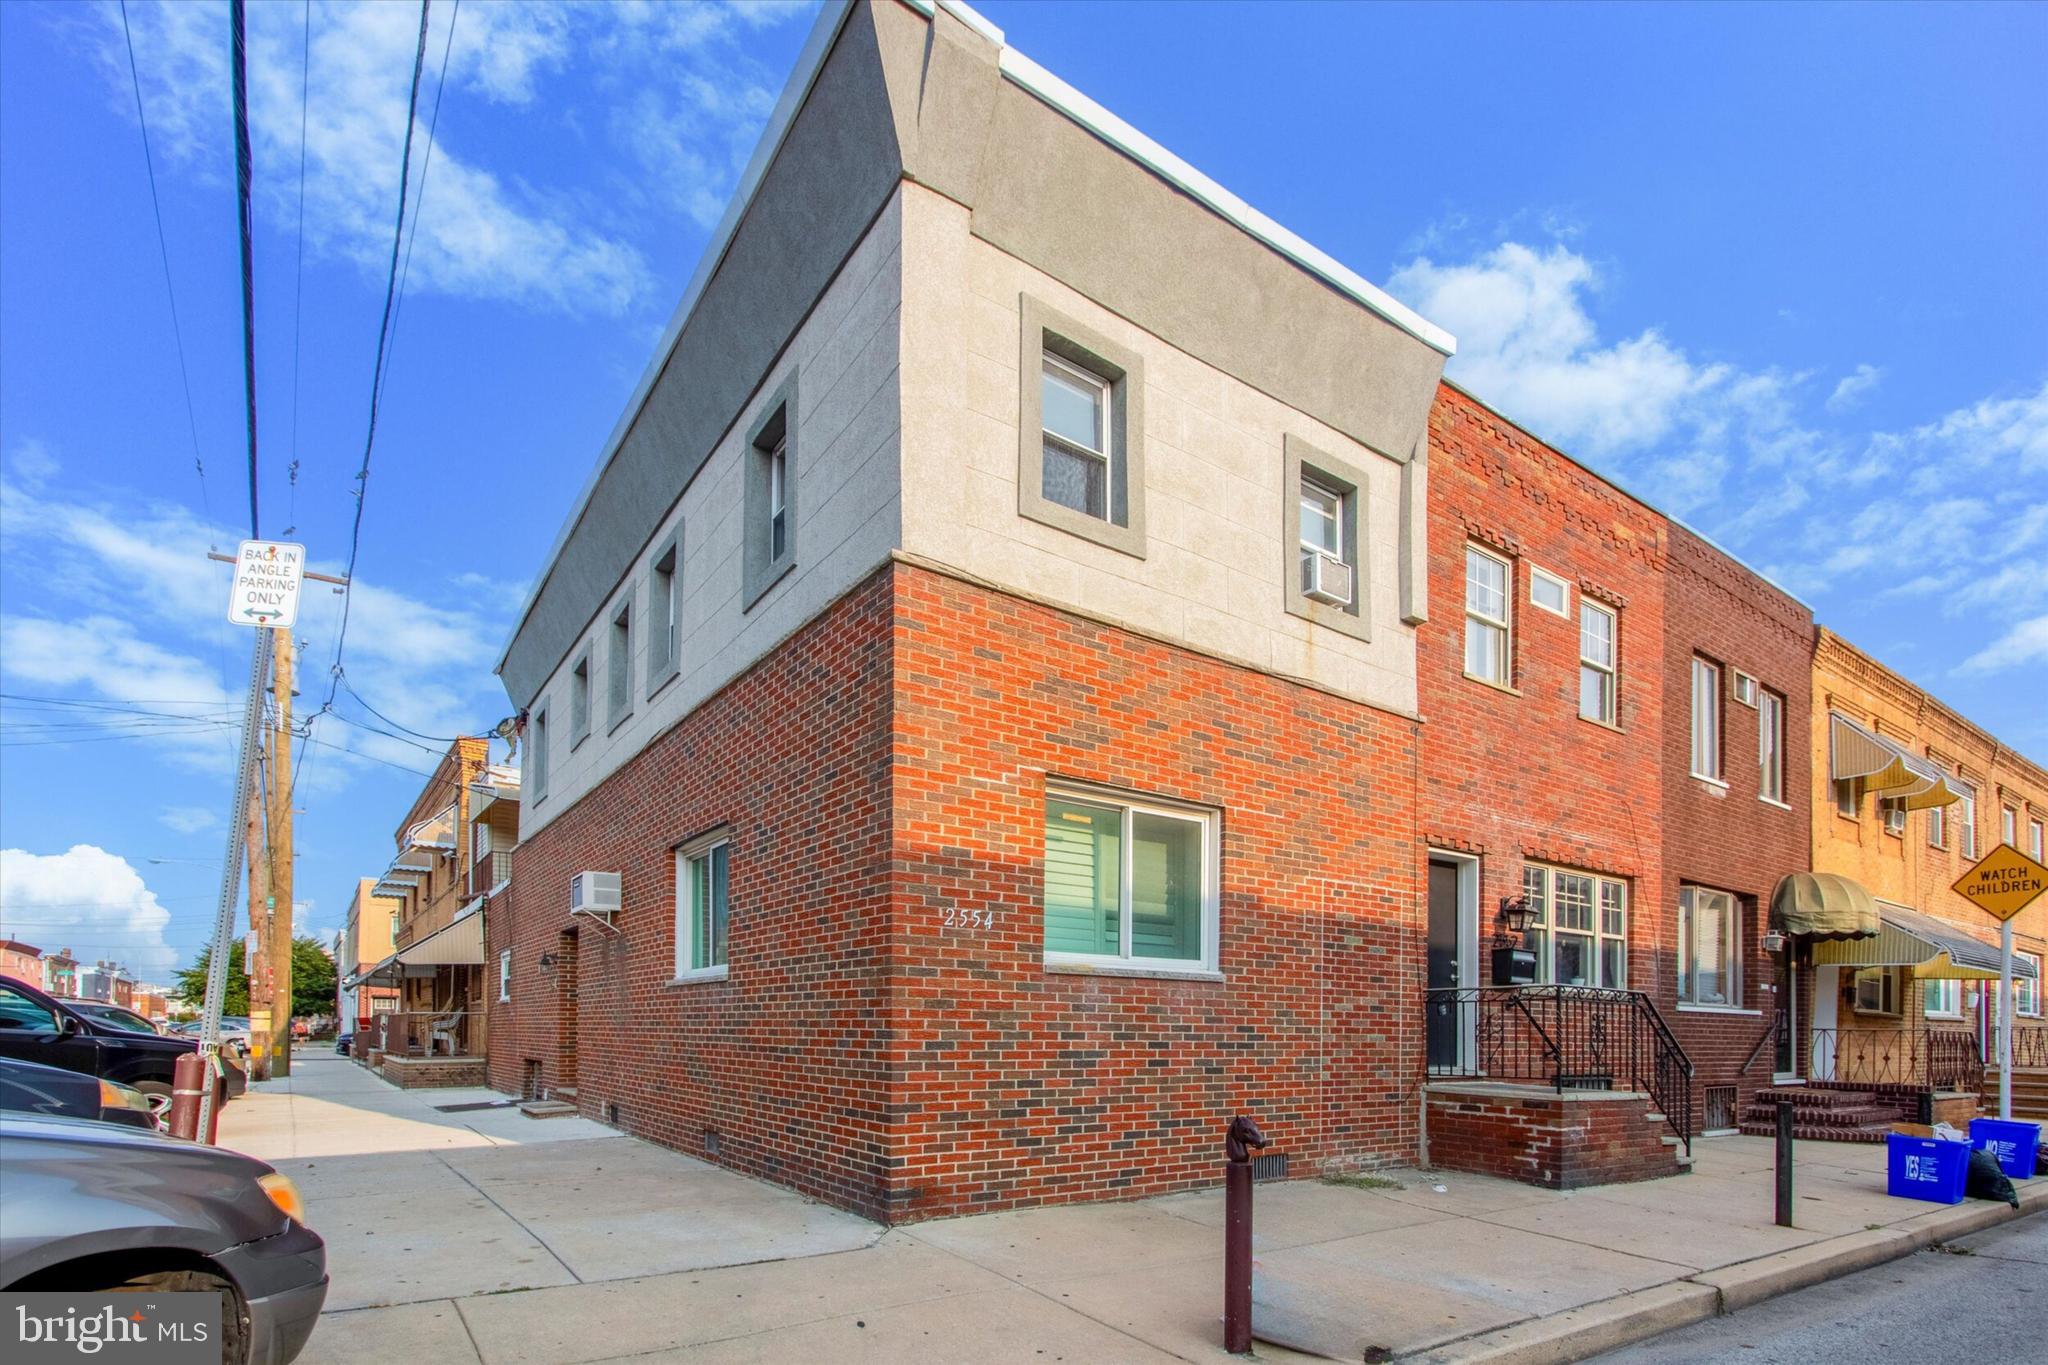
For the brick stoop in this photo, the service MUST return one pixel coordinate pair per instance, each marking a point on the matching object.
(1539, 1136)
(1824, 1113)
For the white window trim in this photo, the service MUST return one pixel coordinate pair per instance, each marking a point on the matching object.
(1732, 939)
(686, 909)
(1206, 967)
(1744, 682)
(504, 975)
(1539, 574)
(1719, 719)
(1966, 827)
(1546, 962)
(1505, 624)
(1612, 670)
(1767, 750)
(1105, 397)
(2036, 837)
(2008, 826)
(1896, 976)
(2017, 982)
(1937, 827)
(1949, 986)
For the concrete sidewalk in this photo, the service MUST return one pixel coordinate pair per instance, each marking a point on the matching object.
(484, 1236)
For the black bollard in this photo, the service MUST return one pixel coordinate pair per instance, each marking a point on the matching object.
(1784, 1163)
(1237, 1233)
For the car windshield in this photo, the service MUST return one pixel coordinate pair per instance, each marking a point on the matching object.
(123, 1019)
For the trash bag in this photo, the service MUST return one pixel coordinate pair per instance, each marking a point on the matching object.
(1986, 1181)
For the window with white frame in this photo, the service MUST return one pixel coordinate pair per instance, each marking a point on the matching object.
(1326, 564)
(1488, 625)
(2008, 826)
(1966, 820)
(1941, 999)
(1599, 683)
(702, 906)
(1770, 745)
(1878, 990)
(1709, 947)
(1578, 926)
(1550, 592)
(2026, 991)
(772, 478)
(1706, 719)
(1937, 826)
(2034, 838)
(1129, 882)
(504, 975)
(1745, 688)
(778, 499)
(1074, 405)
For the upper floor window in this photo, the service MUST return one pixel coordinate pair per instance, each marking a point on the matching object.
(1488, 626)
(1770, 744)
(1323, 539)
(703, 880)
(1579, 926)
(479, 842)
(1080, 463)
(537, 752)
(619, 666)
(1894, 811)
(2034, 838)
(1075, 406)
(1598, 683)
(664, 613)
(1706, 720)
(1129, 882)
(1937, 826)
(1550, 592)
(579, 699)
(773, 479)
(2008, 826)
(1709, 947)
(1966, 820)
(504, 975)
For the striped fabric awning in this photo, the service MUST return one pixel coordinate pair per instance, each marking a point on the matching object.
(459, 944)
(1883, 766)
(1823, 905)
(1934, 949)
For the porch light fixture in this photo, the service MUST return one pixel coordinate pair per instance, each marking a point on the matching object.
(547, 962)
(1514, 920)
(1775, 941)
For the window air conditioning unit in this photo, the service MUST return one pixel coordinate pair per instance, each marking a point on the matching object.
(595, 894)
(1325, 579)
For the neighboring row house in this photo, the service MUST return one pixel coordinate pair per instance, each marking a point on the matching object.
(1045, 664)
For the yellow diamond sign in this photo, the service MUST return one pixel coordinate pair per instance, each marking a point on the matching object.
(2004, 883)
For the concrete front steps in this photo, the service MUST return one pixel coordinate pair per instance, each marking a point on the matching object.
(1823, 1114)
(561, 1105)
(2029, 1092)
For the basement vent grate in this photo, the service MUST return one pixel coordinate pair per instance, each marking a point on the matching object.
(1269, 1166)
(1720, 1114)
(611, 1113)
(711, 1142)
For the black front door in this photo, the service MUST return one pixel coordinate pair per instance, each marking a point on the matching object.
(1443, 965)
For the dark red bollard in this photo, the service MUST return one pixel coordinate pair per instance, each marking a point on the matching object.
(188, 1081)
(1237, 1233)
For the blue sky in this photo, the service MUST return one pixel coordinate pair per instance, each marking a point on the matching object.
(1777, 269)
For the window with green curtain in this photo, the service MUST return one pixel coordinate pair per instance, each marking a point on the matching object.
(1083, 876)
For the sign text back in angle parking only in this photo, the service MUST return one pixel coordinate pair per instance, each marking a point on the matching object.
(267, 578)
(2003, 883)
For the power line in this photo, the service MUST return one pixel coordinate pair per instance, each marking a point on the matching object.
(164, 254)
(355, 539)
(426, 166)
(299, 269)
(244, 171)
(438, 739)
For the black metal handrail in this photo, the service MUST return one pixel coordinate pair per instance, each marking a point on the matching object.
(1924, 1058)
(1773, 1032)
(1566, 1037)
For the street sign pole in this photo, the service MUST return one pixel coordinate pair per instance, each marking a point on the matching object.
(230, 874)
(2005, 1020)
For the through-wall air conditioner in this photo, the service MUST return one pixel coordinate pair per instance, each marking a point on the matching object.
(1325, 578)
(595, 894)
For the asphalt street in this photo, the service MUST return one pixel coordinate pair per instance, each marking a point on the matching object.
(1981, 1299)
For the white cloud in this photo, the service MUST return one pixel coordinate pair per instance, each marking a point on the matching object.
(2025, 643)
(1854, 388)
(189, 819)
(32, 463)
(89, 899)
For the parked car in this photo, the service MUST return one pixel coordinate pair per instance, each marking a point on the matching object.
(344, 1042)
(31, 1088)
(40, 1028)
(120, 1016)
(93, 1207)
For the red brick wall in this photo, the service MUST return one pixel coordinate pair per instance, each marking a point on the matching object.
(787, 1059)
(1518, 775)
(1726, 838)
(1015, 1085)
(1548, 1140)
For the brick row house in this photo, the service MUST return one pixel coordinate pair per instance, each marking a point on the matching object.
(1006, 702)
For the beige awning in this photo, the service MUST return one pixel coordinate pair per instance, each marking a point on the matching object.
(436, 831)
(1823, 905)
(1935, 949)
(1883, 766)
(460, 944)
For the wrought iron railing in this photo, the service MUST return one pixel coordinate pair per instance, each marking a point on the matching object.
(2029, 1046)
(451, 1032)
(1566, 1037)
(1925, 1058)
(1771, 1037)
(493, 869)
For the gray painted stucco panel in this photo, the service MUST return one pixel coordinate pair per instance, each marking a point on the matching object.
(836, 169)
(1054, 195)
(956, 100)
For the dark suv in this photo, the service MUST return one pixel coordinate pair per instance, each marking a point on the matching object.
(35, 1027)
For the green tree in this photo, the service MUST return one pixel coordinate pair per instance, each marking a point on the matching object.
(192, 980)
(312, 979)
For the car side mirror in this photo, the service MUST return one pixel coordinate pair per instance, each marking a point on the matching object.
(67, 1026)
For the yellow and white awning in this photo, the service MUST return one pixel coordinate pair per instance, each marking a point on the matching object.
(1934, 949)
(1883, 766)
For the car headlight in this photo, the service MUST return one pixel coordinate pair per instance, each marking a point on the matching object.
(114, 1095)
(284, 1194)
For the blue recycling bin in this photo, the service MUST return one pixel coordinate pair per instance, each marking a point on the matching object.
(1926, 1168)
(2013, 1144)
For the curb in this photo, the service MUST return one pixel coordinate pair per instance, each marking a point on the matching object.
(1593, 1328)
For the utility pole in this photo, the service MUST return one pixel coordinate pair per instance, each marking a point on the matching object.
(279, 937)
(256, 961)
